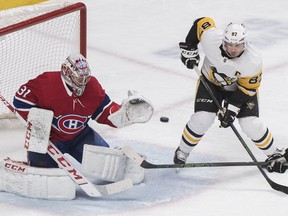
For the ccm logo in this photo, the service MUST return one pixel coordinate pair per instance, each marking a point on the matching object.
(203, 100)
(14, 167)
(64, 164)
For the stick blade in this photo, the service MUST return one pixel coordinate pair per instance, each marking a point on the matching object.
(130, 153)
(115, 187)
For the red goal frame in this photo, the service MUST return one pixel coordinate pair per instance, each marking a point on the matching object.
(57, 13)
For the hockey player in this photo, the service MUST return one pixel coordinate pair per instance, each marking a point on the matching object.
(75, 97)
(232, 68)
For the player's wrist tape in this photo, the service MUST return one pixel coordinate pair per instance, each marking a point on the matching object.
(233, 108)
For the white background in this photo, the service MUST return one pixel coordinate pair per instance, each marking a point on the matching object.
(133, 44)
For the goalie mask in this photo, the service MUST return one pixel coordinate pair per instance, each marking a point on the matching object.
(76, 73)
(234, 39)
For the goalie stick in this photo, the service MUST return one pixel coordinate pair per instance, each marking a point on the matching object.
(273, 184)
(90, 189)
(129, 152)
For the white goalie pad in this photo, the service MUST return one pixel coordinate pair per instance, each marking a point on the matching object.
(38, 130)
(134, 109)
(110, 165)
(33, 182)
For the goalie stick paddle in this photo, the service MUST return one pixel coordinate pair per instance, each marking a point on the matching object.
(273, 184)
(90, 189)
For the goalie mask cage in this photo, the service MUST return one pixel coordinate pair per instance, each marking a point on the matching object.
(35, 39)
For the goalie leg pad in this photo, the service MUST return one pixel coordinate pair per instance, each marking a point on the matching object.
(109, 165)
(33, 182)
(134, 171)
(103, 163)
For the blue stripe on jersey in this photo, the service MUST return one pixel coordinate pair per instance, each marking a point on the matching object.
(22, 105)
(102, 106)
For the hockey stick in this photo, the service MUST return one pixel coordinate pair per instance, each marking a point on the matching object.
(90, 189)
(273, 184)
(129, 152)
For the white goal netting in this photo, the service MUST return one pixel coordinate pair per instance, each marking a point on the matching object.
(34, 39)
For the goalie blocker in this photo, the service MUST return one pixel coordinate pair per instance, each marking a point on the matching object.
(38, 130)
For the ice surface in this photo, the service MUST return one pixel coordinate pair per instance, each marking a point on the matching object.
(133, 44)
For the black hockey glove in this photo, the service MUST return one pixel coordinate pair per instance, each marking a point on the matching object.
(227, 115)
(276, 161)
(189, 55)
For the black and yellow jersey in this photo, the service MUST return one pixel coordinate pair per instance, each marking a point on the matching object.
(242, 73)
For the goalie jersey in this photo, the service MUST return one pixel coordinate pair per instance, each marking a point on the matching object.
(71, 113)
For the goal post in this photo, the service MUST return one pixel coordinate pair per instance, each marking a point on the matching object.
(35, 39)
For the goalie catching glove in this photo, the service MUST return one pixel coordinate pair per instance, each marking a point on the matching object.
(134, 109)
(189, 55)
(276, 161)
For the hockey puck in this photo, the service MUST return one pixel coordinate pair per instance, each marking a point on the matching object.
(164, 119)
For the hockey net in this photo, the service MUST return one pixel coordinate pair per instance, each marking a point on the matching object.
(34, 39)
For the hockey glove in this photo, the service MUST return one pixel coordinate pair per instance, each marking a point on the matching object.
(276, 161)
(227, 115)
(134, 109)
(189, 55)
